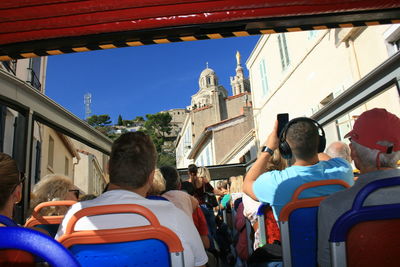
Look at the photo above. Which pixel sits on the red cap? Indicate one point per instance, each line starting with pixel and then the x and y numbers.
pixel 376 125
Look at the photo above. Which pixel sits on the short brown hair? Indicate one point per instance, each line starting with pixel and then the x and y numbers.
pixel 303 139
pixel 133 157
pixel 9 177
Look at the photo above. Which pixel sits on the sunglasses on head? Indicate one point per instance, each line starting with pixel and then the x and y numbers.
pixel 75 191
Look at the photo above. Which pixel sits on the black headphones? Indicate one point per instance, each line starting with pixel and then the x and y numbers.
pixel 284 147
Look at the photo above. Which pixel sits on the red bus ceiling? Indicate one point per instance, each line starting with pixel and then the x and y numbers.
pixel 30 28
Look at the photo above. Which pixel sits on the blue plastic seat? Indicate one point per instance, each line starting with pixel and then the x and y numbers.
pixel 298 223
pixel 37 244
pixel 368 235
pixel 148 245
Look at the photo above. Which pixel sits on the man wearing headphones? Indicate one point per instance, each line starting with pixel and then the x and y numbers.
pixel 300 142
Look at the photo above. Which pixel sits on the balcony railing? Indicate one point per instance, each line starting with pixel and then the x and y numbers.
pixel 34 80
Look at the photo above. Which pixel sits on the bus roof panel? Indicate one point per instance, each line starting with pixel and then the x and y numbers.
pixel 30 28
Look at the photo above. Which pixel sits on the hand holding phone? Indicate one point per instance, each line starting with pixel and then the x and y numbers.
pixel 283 119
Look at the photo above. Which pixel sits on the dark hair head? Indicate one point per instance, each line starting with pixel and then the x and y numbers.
pixel 192 168
pixel 171 177
pixel 303 138
pixel 133 158
pixel 9 178
pixel 188 187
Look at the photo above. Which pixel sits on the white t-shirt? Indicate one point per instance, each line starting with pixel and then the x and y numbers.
pixel 166 212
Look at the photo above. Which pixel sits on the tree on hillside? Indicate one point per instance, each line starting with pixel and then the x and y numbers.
pixel 120 122
pixel 138 119
pixel 102 124
pixel 158 127
pixel 99 120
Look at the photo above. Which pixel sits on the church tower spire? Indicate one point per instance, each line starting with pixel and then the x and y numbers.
pixel 239 83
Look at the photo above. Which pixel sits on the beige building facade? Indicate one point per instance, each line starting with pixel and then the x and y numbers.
pixel 90 169
pixel 302 72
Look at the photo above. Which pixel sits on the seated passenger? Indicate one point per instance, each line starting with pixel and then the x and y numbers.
pixel 198 217
pixel 157 186
pixel 11 182
pixel 226 197
pixel 339 150
pixel 236 189
pixel 375 150
pixel 132 164
pixel 300 141
pixel 200 178
pixel 181 199
pixel 53 187
pixel 275 163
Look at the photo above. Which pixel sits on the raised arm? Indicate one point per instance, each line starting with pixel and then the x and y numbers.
pixel 258 167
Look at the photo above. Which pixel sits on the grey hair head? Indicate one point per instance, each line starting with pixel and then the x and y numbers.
pixel 339 150
pixel 368 156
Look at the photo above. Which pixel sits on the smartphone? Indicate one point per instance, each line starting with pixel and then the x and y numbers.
pixel 283 119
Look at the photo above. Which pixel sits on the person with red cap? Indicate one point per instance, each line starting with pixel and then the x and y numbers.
pixel 375 150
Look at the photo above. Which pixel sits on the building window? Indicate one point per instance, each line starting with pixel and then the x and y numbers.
pixel 208 81
pixel 51 152
pixel 283 51
pixel 264 80
pixel 66 166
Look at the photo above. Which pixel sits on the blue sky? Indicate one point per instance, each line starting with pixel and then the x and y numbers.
pixel 136 81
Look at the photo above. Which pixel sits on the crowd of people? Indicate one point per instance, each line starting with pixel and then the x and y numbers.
pixel 193 209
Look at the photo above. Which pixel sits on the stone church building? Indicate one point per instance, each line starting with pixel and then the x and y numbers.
pixel 218 128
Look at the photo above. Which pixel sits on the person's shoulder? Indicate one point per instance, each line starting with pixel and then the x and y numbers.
pixel 272 173
pixel 338 161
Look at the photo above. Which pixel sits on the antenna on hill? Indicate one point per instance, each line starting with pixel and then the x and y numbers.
pixel 87 101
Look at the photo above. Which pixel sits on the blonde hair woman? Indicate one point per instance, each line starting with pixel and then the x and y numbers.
pixel 54 187
pixel 158 185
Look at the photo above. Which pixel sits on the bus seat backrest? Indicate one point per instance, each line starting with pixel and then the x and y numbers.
pixel 298 225
pixel 113 254
pixel 367 235
pixel 379 247
pixel 48 223
pixel 38 244
pixel 148 245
